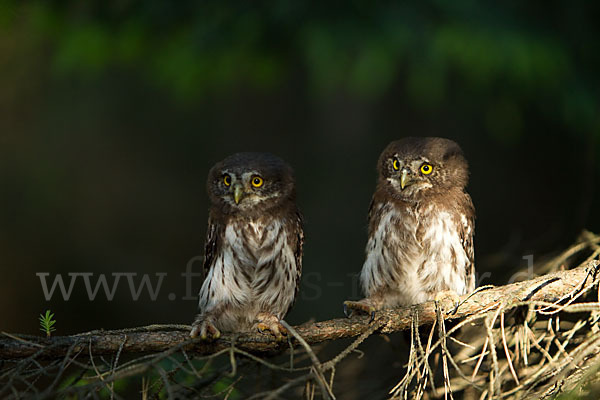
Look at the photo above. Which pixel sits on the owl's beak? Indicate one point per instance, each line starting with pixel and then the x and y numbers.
pixel 238 192
pixel 405 178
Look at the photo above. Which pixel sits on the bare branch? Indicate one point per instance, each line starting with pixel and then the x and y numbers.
pixel 157 338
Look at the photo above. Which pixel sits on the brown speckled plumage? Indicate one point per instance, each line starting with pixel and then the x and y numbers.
pixel 420 231
pixel 253 252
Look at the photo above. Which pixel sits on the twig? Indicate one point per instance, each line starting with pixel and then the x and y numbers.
pixel 156 338
pixel 316 368
pixel 508 357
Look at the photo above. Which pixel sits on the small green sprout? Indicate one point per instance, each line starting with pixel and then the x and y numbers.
pixel 47 323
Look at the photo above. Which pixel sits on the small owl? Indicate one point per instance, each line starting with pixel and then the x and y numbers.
pixel 253 253
pixel 421 224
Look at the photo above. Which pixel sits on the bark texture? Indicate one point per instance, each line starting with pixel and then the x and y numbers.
pixel 156 338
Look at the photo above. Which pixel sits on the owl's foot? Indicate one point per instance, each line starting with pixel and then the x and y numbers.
pixel 205 329
pixel 363 306
pixel 446 296
pixel 270 323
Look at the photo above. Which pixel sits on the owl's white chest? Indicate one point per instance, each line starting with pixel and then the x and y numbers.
pixel 253 244
pixel 412 256
pixel 255 271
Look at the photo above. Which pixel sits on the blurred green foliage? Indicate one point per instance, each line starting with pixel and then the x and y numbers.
pixel 361 48
pixel 112 112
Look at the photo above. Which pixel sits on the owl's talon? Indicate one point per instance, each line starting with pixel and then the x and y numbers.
pixel 455 310
pixel 451 295
pixel 347 312
pixel 262 327
pixel 270 324
pixel 363 306
pixel 205 330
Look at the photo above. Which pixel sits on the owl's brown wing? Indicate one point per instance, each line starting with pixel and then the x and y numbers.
pixel 295 242
pixel 371 208
pixel 376 210
pixel 466 232
pixel 211 246
pixel 298 248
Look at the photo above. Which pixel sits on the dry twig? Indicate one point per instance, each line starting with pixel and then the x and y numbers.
pixel 545 351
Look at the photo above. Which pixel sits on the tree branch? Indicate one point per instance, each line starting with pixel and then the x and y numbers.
pixel 156 338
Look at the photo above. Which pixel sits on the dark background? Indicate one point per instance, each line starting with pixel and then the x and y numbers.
pixel 112 113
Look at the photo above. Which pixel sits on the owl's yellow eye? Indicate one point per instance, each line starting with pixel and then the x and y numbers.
pixel 227 180
pixel 426 169
pixel 257 181
pixel 396 165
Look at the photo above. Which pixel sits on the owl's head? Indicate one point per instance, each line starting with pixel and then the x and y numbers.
pixel 412 168
pixel 250 182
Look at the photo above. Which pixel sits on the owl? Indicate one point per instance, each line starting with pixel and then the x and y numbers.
pixel 253 253
pixel 421 223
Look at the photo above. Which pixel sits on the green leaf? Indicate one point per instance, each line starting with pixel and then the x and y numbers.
pixel 47 323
